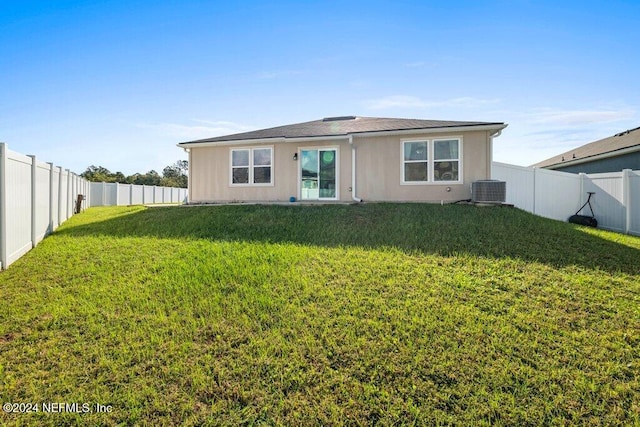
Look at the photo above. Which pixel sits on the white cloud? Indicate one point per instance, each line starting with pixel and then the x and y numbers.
pixel 271 75
pixel 541 133
pixel 396 101
pixel 578 117
pixel 204 129
pixel 405 101
pixel 417 64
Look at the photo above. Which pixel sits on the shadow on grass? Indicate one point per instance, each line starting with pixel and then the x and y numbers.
pixel 425 228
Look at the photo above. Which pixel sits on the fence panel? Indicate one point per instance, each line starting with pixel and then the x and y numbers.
pixel 137 196
pixel 608 200
pixel 55 197
pixel 557 194
pixel 148 194
pixel 42 198
pixel 520 184
pixel 157 195
pixel 87 194
pixel 35 197
pixel 123 192
pixel 112 194
pixel 98 193
pixel 18 205
pixel 73 194
pixel 64 195
pixel 115 194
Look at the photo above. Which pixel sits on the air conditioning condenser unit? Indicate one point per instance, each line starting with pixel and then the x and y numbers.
pixel 488 191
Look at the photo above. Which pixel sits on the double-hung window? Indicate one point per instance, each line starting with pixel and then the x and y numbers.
pixel 431 161
pixel 416 161
pixel 446 159
pixel 252 166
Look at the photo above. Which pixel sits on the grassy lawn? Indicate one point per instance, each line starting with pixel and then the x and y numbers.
pixel 361 314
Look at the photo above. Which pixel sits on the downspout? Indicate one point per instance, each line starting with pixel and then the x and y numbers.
pixel 353 171
pixel 189 179
pixel 490 153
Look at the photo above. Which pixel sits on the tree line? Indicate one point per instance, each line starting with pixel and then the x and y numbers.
pixel 174 175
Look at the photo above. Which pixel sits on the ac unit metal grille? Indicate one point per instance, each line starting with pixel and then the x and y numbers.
pixel 488 191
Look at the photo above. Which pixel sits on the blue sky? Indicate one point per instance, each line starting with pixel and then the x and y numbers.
pixel 119 83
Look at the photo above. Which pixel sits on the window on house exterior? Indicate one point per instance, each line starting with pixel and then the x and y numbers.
pixel 426 161
pixel 251 166
pixel 446 159
pixel 416 161
pixel 262 166
pixel 240 166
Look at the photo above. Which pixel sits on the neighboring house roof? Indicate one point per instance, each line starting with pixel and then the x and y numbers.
pixel 618 144
pixel 342 126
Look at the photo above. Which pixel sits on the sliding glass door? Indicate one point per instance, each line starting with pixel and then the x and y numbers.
pixel 318 174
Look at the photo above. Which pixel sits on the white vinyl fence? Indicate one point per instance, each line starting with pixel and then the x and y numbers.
pixel 558 195
pixel 116 194
pixel 35 198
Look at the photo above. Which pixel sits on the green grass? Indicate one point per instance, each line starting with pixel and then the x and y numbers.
pixel 395 314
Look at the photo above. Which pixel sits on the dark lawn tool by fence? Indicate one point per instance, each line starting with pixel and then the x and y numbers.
pixel 585 219
pixel 78 204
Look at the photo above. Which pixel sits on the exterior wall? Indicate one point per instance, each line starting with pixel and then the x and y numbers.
pixel 378 169
pixel 611 164
pixel 210 174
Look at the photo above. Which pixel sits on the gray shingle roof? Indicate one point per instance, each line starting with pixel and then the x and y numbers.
pixel 336 126
pixel 619 141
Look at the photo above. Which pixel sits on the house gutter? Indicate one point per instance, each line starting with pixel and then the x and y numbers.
pixel 353 171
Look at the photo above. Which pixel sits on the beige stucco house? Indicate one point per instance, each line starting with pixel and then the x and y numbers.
pixel 344 159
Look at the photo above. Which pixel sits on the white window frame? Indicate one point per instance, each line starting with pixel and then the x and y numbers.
pixel 251 167
pixel 431 161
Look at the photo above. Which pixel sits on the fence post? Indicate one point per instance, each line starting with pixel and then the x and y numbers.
pixel 68 193
pixel 74 193
pixel 33 200
pixel 3 206
pixel 535 195
pixel 50 230
pixel 130 194
pixel 626 198
pixel 117 194
pixel 86 190
pixel 143 194
pixel 583 176
pixel 59 195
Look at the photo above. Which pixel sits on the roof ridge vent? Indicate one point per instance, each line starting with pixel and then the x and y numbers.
pixel 626 132
pixel 338 118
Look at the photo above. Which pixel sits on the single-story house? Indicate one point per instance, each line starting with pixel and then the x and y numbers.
pixel 612 154
pixel 344 159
